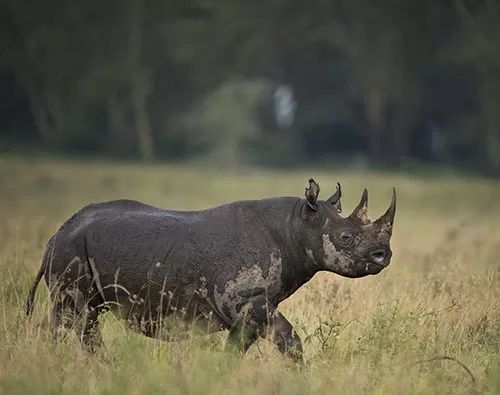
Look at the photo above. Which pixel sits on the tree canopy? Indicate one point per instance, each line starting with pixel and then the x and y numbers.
pixel 389 80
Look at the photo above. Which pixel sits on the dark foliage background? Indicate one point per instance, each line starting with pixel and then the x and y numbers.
pixel 386 83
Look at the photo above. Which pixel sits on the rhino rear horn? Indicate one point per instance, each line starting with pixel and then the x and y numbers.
pixel 312 193
pixel 360 213
pixel 387 220
pixel 334 200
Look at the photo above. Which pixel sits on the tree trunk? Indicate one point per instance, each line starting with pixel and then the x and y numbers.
pixel 39 112
pixel 375 115
pixel 139 83
pixel 116 124
pixel 375 145
pixel 399 143
pixel 55 110
pixel 493 149
pixel 141 118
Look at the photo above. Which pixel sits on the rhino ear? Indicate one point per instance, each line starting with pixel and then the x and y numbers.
pixel 334 200
pixel 312 192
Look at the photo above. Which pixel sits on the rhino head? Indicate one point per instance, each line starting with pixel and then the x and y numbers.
pixel 351 246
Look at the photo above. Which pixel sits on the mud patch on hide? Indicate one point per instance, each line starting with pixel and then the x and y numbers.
pixel 250 281
pixel 334 260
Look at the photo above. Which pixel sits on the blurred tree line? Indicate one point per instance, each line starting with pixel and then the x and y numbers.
pixel 386 80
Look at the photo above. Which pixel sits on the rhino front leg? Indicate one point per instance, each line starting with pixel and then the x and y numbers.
pixel 264 320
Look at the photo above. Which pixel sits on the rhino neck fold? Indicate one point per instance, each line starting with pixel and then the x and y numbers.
pixel 298 268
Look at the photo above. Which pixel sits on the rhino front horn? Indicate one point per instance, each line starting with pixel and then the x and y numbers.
pixel 360 213
pixel 387 219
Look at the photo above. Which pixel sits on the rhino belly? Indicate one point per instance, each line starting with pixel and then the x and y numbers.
pixel 175 307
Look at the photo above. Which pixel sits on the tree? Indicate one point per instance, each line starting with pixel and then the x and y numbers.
pixel 477 44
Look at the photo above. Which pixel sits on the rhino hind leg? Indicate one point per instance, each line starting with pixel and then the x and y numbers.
pixel 262 319
pixel 63 315
pixel 70 311
pixel 90 335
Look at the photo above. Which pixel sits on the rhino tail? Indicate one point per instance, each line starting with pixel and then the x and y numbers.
pixel 31 294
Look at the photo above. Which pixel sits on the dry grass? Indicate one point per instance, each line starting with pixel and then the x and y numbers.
pixel 440 296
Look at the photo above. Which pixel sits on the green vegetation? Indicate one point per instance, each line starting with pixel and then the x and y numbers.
pixel 440 296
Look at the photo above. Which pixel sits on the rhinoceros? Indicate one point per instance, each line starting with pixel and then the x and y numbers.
pixel 221 268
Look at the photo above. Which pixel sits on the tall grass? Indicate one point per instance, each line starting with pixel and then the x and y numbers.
pixel 439 297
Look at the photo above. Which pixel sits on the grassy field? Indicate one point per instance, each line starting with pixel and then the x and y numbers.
pixel 439 297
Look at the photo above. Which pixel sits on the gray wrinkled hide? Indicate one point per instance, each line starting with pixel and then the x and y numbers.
pixel 220 268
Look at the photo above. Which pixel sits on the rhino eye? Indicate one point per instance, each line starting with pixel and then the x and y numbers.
pixel 346 238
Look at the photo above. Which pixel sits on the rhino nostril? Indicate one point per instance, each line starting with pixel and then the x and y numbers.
pixel 378 256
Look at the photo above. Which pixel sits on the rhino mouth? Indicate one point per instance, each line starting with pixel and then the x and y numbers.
pixel 374 268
